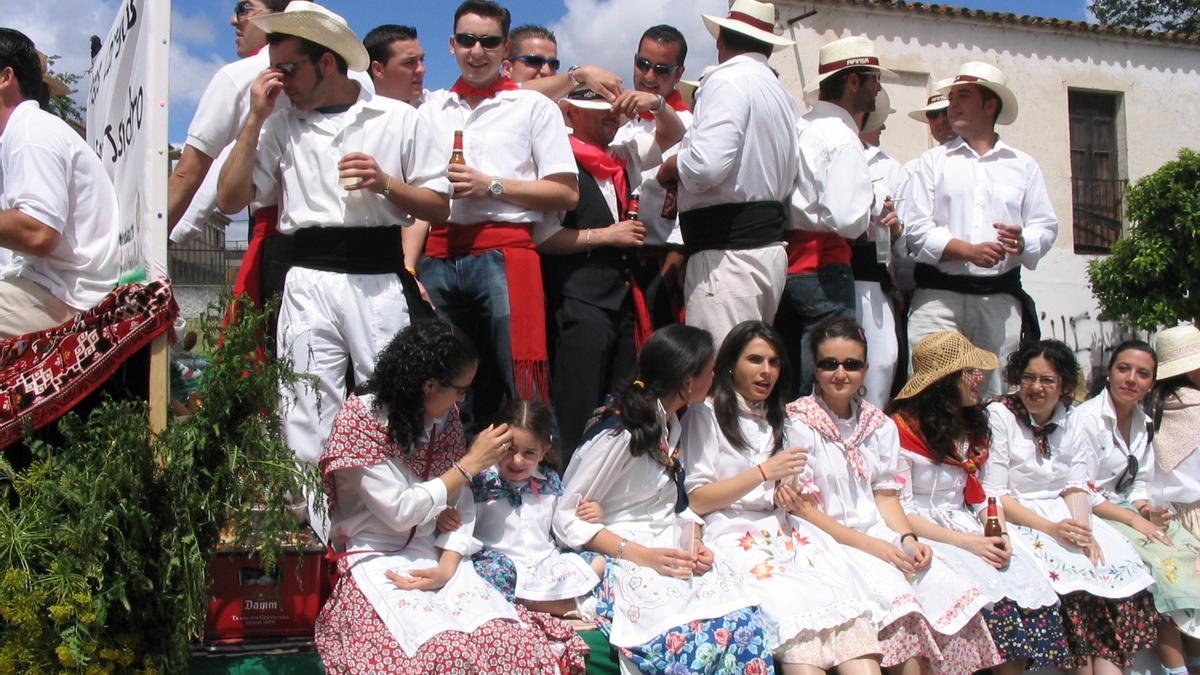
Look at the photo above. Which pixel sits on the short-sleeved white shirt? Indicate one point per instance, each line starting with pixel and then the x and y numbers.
pixel 298 154
pixel 49 173
pixel 515 134
pixel 833 184
pixel 643 173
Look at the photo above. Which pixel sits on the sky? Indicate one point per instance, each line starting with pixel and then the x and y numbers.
pixel 603 32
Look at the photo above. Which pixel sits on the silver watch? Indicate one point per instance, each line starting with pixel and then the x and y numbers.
pixel 496 188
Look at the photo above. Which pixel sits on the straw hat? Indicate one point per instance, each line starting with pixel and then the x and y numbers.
pixel 315 23
pixel 1178 350
pixel 937 100
pixel 849 52
pixel 941 354
pixel 587 99
pixel 687 88
pixel 752 19
pixel 988 76
pixel 883 108
pixel 56 86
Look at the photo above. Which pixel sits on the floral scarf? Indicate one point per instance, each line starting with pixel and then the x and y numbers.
pixel 490 486
pixel 810 411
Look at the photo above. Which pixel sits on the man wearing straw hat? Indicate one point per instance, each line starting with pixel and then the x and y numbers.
pixel 735 170
pixel 979 211
pixel 347 168
pixel 933 112
pixel 832 201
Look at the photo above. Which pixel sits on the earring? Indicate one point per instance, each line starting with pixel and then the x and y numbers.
pixel 862 391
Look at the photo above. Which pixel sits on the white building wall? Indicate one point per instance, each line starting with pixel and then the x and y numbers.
pixel 1160 83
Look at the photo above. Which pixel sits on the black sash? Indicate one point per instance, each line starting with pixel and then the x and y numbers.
pixel 732 227
pixel 928 276
pixel 865 263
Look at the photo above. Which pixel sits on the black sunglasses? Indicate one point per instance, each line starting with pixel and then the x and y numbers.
pixel 830 364
pixel 536 62
pixel 660 69
pixel 288 68
pixel 931 114
pixel 1125 480
pixel 468 40
pixel 243 8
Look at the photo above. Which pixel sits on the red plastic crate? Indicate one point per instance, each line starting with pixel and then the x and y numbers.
pixel 246 602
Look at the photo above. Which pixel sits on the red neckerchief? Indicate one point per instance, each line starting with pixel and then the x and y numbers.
pixel 502 83
pixel 913 440
pixel 675 100
pixel 603 166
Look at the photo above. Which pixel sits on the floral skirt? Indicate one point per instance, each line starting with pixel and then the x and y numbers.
pixel 969 650
pixel 1176 571
pixel 1113 630
pixel 498 570
pixel 1035 635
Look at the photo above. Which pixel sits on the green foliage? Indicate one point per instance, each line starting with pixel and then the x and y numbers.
pixel 1152 278
pixel 1166 15
pixel 105 541
pixel 65 106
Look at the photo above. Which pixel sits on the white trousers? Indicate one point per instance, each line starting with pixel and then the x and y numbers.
pixel 878 320
pixel 991 322
pixel 724 288
pixel 27 307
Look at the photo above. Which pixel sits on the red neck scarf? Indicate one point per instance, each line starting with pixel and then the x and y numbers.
pixel 603 166
pixel 502 83
pixel 675 100
pixel 913 440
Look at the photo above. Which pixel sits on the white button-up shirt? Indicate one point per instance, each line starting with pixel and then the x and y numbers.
pixel 515 134
pixel 1097 422
pixel 833 184
pixel 1015 467
pixel 741 146
pixel 298 154
pixel 638 134
pixel 955 193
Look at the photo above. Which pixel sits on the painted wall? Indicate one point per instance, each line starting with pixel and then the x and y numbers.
pixel 1159 83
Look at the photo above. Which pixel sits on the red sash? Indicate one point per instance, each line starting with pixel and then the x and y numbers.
pixel 913 440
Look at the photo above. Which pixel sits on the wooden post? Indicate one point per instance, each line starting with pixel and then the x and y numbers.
pixel 160 395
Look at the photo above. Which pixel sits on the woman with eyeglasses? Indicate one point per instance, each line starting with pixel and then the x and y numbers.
pixel 944 441
pixel 1117 430
pixel 1039 469
pixel 932 613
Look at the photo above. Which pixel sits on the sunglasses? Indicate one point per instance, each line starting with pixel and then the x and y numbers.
pixel 830 364
pixel 468 40
pixel 287 68
pixel 660 69
pixel 536 62
pixel 1125 480
pixel 243 8
pixel 934 114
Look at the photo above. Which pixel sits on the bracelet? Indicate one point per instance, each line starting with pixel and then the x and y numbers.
pixel 411 270
pixel 387 188
pixel 571 77
pixel 762 473
pixel 621 549
pixel 659 107
pixel 909 534
pixel 589 241
pixel 465 474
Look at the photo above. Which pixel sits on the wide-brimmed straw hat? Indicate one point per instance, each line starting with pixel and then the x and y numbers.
pixel 317 24
pixel 990 77
pixel 587 99
pixel 883 108
pixel 938 100
pixel 687 88
pixel 1178 350
pixel 855 51
pixel 56 86
pixel 752 19
pixel 941 354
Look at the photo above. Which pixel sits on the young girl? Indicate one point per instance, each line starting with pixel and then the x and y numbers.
pixel 854 460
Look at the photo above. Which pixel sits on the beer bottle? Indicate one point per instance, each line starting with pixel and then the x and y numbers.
pixel 456 155
pixel 631 213
pixel 991 526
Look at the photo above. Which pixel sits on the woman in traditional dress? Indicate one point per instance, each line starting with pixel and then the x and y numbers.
pixel 1117 430
pixel 944 441
pixel 407 600
pixel 810 594
pixel 855 498
pixel 664 601
pixel 1039 468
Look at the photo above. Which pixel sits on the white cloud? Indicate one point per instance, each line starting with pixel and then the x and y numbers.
pixel 606 32
pixel 190 74
pixel 193 29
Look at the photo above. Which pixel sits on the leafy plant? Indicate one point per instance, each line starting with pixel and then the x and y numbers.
pixel 105 540
pixel 1169 15
pixel 1152 278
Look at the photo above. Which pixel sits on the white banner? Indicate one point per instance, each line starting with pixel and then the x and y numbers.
pixel 127 125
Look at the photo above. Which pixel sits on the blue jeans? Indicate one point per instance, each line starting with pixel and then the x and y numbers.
pixel 472 293
pixel 807 299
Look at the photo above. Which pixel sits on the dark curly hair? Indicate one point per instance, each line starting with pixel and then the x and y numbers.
pixel 1061 358
pixel 536 418
pixel 426 350
pixel 943 418
pixel 724 395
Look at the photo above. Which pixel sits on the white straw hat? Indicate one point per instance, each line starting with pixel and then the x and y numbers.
pixel 1178 350
pixel 687 88
pixel 990 77
pixel 855 51
pixel 587 99
pixel 937 100
pixel 941 354
pixel 752 19
pixel 317 24
pixel 883 108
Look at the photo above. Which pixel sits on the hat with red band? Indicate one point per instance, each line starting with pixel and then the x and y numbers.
pixel 752 19
pixel 990 77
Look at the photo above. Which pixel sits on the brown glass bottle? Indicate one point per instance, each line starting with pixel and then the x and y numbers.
pixel 991 526
pixel 456 155
pixel 631 213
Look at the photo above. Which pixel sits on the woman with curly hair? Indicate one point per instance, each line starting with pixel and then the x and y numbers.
pixel 1039 469
pixel 663 601
pixel 407 600
pixel 944 441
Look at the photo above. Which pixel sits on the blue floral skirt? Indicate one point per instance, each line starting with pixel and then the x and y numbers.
pixel 498 570
pixel 1035 635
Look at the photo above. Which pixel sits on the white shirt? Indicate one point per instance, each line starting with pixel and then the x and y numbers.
pixel 1014 466
pixel 298 154
pixel 1097 422
pixel 515 134
pixel 522 533
pixel 957 194
pixel 638 134
pixel 887 177
pixel 833 184
pixel 1182 484
pixel 49 173
pixel 741 146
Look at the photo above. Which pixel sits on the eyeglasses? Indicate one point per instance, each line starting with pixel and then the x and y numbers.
pixel 1047 381
pixel 1125 480
pixel 831 364
pixel 660 69
pixel 468 40
pixel 243 8
pixel 536 62
pixel 462 391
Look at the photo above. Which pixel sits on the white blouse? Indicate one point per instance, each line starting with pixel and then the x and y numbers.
pixel 521 533
pixel 927 485
pixel 1097 422
pixel 711 458
pixel 1014 466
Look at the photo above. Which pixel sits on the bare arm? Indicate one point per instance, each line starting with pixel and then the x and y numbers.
pixel 668 127
pixel 625 234
pixel 720 494
pixel 189 173
pixel 413 237
pixel 556 192
pixel 603 82
pixel 25 234
pixel 235 187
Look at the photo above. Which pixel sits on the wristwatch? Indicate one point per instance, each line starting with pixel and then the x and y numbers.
pixel 496 188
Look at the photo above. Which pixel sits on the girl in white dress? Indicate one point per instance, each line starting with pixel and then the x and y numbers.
pixel 734 445
pixel 855 498
pixel 1039 469
pixel 665 602
pixel 944 442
